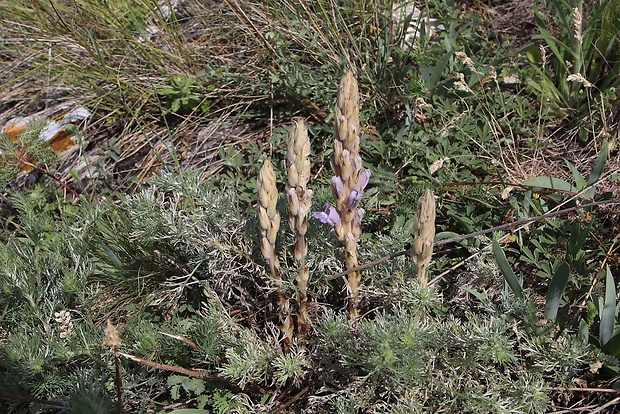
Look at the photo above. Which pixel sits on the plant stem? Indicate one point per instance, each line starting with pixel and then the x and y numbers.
pixel 119 384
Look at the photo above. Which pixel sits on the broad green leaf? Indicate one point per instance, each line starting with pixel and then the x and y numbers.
pixel 189 411
pixel 580 182
pixel 608 312
pixel 613 346
pixel 534 54
pixel 551 183
pixel 597 169
pixel 506 270
pixel 438 71
pixel 556 290
pixel 446 235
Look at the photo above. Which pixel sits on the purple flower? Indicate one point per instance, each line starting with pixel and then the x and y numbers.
pixel 357 218
pixel 337 187
pixel 363 181
pixel 329 215
pixel 355 196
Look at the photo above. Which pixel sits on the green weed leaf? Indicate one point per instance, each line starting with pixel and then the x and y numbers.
pixel 550 183
pixel 506 270
pixel 597 169
pixel 580 182
pixel 556 289
pixel 577 238
pixel 608 312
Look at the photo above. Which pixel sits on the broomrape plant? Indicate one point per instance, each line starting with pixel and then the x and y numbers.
pixel 300 201
pixel 424 229
pixel 348 184
pixel 269 219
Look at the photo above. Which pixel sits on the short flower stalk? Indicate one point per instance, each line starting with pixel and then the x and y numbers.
pixel 424 231
pixel 347 184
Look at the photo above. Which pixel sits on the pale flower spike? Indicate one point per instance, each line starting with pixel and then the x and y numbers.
pixel 347 184
pixel 269 220
pixel 424 229
pixel 300 201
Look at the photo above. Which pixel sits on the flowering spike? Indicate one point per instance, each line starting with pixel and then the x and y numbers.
pixel 424 229
pixel 300 202
pixel 269 220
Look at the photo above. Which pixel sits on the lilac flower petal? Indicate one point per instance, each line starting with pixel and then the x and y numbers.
pixel 332 213
pixel 329 215
pixel 354 198
pixel 357 218
pixel 363 181
pixel 337 187
pixel 320 216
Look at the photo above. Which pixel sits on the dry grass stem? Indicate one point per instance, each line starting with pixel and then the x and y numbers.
pixel 269 219
pixel 424 229
pixel 300 201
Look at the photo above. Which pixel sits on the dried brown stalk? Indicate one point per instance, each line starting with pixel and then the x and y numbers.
pixel 112 340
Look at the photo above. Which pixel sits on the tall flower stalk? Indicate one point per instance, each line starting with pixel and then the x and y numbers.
pixel 269 219
pixel 348 183
pixel 300 201
pixel 424 231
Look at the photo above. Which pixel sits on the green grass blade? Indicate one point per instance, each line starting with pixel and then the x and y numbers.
pixel 506 270
pixel 597 169
pixel 111 255
pixel 435 76
pixel 608 313
pixel 577 238
pixel 556 290
pixel 584 331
